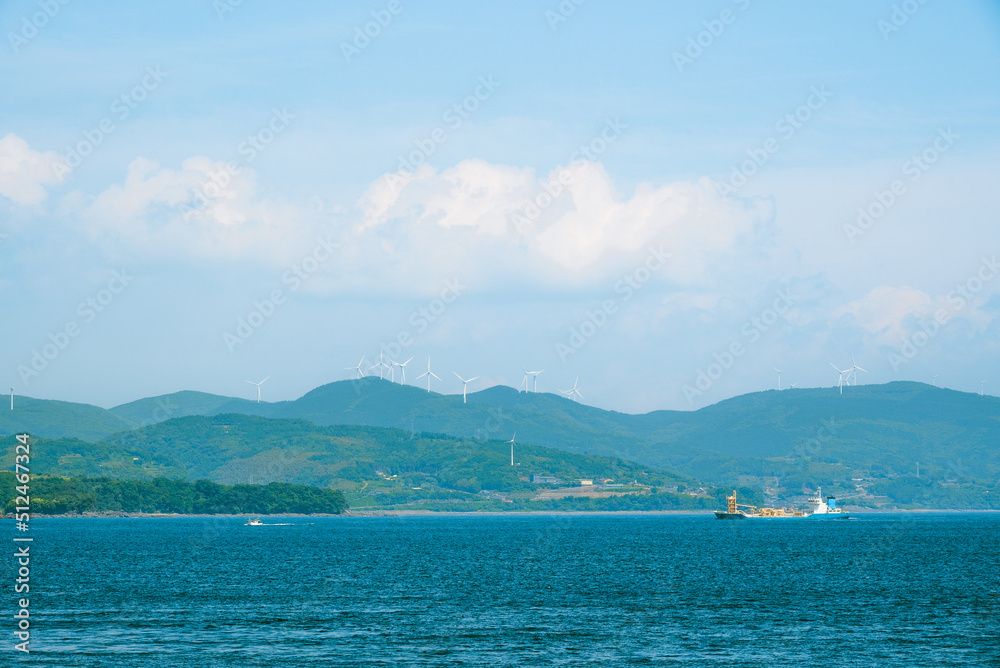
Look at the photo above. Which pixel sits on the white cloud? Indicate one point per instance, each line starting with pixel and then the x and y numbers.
pixel 200 209
pixel 892 313
pixel 586 233
pixel 409 232
pixel 884 310
pixel 24 173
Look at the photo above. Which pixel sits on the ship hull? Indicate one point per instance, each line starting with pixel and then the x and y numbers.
pixel 719 515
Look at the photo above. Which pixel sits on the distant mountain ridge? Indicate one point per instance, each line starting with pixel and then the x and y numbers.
pixel 869 430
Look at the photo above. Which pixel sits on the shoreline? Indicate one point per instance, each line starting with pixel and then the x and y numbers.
pixel 112 514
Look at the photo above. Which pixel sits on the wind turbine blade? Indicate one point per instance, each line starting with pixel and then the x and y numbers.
pixel 433 374
pixel 459 377
pixel 579 394
pixel 860 369
pixel 472 379
pixel 421 375
pixel 262 382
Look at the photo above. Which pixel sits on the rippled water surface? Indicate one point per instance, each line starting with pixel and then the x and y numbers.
pixel 878 590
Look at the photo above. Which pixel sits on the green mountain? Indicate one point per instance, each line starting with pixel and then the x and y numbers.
pixel 73 457
pixel 864 443
pixel 378 465
pixel 179 404
pixel 235 448
pixel 59 419
pixel 881 430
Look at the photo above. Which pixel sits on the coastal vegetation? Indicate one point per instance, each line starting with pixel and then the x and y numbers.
pixel 56 495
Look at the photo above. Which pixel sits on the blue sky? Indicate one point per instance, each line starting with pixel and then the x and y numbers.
pixel 385 197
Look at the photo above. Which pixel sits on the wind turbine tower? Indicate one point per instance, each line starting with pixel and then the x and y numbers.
pixel 402 370
pixel 12 398
pixel 982 384
pixel 465 385
pixel 779 377
pixel 380 365
pixel 534 379
pixel 854 369
pixel 574 391
pixel 258 387
pixel 361 374
pixel 429 374
pixel 840 380
pixel 511 441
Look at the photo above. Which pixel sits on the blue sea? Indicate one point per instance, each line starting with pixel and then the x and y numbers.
pixel 556 590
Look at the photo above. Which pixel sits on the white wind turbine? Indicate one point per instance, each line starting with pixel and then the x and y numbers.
pixel 511 441
pixel 524 384
pixel 779 376
pixel 12 398
pixel 854 369
pixel 258 387
pixel 465 385
pixel 361 374
pixel 534 378
pixel 574 391
pixel 380 365
pixel 402 369
pixel 982 384
pixel 840 380
pixel 428 373
pixel 934 380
